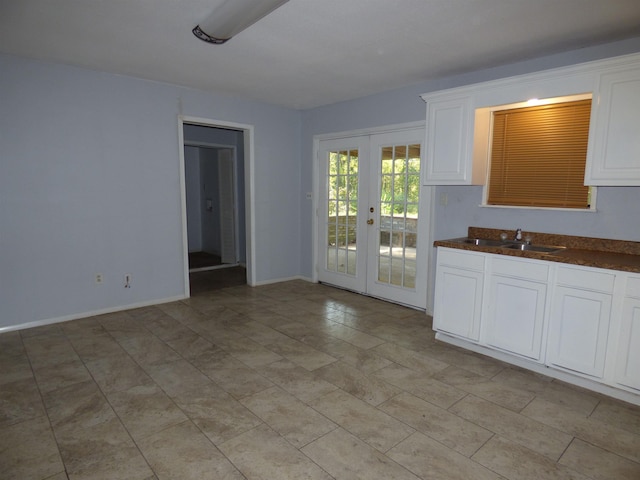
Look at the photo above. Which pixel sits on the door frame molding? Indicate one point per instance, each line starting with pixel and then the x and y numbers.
pixel 429 215
pixel 249 189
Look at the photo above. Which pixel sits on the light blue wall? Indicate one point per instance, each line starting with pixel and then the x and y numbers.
pixel 89 183
pixel 618 213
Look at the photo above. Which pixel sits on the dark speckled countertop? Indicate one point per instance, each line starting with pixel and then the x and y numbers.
pixel 587 251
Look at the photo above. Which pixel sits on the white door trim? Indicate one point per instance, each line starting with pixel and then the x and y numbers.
pixel 249 189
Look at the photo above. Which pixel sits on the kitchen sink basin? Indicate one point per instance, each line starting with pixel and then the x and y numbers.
pixel 533 248
pixel 483 242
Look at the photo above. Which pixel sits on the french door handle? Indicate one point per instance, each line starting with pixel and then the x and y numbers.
pixel 370 221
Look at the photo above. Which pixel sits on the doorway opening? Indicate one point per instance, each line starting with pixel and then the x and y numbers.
pixel 216 203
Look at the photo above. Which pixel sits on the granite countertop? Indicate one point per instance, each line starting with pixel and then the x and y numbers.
pixel 587 251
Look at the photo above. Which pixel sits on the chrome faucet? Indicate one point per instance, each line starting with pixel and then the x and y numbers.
pixel 518 236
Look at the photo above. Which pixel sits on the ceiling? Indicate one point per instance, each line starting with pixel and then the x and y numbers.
pixel 309 53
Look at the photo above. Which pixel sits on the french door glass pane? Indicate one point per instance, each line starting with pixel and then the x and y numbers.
pixel 342 194
pixel 398 214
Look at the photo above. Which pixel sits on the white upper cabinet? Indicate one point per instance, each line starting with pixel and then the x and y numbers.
pixel 459 121
pixel 449 140
pixel 613 157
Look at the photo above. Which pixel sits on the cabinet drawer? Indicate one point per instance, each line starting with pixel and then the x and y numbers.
pixel 633 287
pixel 586 279
pixel 461 259
pixel 520 269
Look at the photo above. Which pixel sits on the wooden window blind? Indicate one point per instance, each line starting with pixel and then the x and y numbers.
pixel 538 156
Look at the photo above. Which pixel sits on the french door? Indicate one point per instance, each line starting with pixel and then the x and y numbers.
pixel 370 236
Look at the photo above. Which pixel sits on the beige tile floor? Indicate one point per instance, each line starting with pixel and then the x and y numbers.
pixel 290 381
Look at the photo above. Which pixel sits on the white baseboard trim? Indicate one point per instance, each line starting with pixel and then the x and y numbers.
pixel 77 316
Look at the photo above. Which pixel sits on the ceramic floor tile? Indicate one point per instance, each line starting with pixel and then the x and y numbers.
pixel 307 334
pixel 415 361
pixel 431 460
pixel 259 332
pixel 217 414
pixel 457 433
pixel 346 457
pixel 366 361
pixel 301 354
pixel 371 425
pixel 145 410
pixel 11 345
pixel 598 463
pixel 519 463
pixel 284 413
pixel 183 452
pixel 262 454
pixel 148 350
pixel 15 368
pixel 351 335
pixel 535 435
pixel 45 350
pixel 77 407
pixel 298 381
pixel 418 384
pixel 231 374
pixel 174 377
pixel 95 346
pixel 541 386
pixel 598 433
pixel 483 387
pixel 114 374
pixel 618 414
pixel 474 362
pixel 20 400
pixel 22 458
pixel 178 377
pixel 250 353
pixel 366 387
pixel 96 460
pixel 61 375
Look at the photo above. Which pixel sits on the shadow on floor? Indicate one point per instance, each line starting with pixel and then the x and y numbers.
pixel 203 259
pixel 207 281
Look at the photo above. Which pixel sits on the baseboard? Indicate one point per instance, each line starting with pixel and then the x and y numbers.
pixel 77 316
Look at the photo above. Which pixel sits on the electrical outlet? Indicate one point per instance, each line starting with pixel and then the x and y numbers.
pixel 127 280
pixel 99 278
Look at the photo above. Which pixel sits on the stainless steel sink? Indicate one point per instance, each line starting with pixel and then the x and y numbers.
pixel 483 242
pixel 534 248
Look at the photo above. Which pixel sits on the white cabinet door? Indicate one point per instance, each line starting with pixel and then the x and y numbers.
pixel 458 293
pixel 614 143
pixel 628 352
pixel 578 330
pixel 449 140
pixel 516 306
pixel 579 319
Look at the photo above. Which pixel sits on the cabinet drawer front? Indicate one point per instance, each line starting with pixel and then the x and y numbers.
pixel 461 259
pixel 633 287
pixel 520 269
pixel 586 279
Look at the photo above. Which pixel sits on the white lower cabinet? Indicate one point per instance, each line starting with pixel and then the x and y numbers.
pixel 580 324
pixel 628 351
pixel 458 293
pixel 516 306
pixel 579 320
